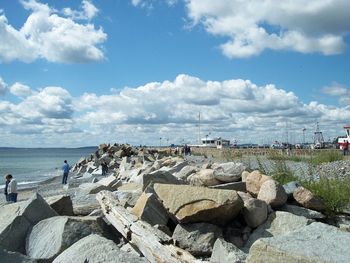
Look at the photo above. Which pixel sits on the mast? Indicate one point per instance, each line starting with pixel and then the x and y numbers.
pixel 199 127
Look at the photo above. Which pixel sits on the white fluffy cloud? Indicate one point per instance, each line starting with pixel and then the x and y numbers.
pixel 3 86
pixel 20 90
pixel 339 91
pixel 232 109
pixel 295 25
pixel 47 35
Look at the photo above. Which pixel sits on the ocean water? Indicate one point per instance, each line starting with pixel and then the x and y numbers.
pixel 32 165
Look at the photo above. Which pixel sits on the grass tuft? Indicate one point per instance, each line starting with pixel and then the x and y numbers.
pixel 326 157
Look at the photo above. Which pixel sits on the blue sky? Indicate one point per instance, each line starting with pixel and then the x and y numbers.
pixel 75 73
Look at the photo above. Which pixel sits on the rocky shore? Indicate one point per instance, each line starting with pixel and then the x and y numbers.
pixel 154 207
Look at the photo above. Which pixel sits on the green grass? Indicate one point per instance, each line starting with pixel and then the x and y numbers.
pixel 326 157
pixel 334 192
pixel 281 173
pixel 281 157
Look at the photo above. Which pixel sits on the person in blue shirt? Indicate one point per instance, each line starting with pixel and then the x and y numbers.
pixel 65 169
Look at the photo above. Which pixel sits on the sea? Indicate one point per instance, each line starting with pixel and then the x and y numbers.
pixel 33 165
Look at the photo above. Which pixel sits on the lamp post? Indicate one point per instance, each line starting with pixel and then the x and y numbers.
pixel 160 141
pixel 206 139
pixel 304 129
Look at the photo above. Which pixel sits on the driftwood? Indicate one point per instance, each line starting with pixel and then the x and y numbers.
pixel 155 245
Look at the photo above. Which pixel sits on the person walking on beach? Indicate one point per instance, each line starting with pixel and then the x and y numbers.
pixel 11 188
pixel 65 169
pixel 6 186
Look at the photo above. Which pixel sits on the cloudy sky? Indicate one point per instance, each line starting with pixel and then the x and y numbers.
pixel 78 73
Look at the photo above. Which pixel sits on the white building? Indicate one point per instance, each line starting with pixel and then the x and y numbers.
pixel 215 142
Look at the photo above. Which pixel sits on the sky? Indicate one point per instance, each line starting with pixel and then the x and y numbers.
pixel 81 73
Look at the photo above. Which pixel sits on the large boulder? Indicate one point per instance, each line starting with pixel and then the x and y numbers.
pixel 108 181
pixel 204 177
pixel 176 168
pixel 197 238
pixel 237 186
pixel 254 212
pixel 302 211
pixel 149 209
pixel 316 242
pixel 17 218
pixel 272 193
pixel 199 204
pixel 291 187
pixel 254 181
pixel 225 252
pixel 14 257
pixel 228 172
pixel 278 223
pixel 62 204
pixel 128 197
pixel 307 199
pixel 51 236
pixel 159 176
pixel 185 172
pixel 96 249
pixel 92 188
pixel 84 204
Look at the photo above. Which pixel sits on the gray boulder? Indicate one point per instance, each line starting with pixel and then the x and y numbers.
pixel 278 223
pixel 176 168
pixel 128 197
pixel 84 204
pixel 197 238
pixel 224 252
pixel 159 176
pixel 237 186
pixel 228 172
pixel 254 212
pixel 185 172
pixel 96 249
pixel 51 236
pixel 14 257
pixel 62 204
pixel 302 211
pixel 91 188
pixel 316 242
pixel 17 218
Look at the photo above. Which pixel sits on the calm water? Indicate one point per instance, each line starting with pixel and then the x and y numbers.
pixel 31 165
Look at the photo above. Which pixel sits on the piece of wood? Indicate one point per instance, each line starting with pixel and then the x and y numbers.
pixel 155 245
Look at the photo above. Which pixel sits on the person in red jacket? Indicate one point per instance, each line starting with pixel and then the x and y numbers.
pixel 345 148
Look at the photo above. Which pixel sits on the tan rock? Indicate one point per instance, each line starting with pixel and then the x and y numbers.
pixel 272 193
pixel 254 181
pixel 149 209
pixel 204 177
pixel 244 175
pixel 199 204
pixel 307 199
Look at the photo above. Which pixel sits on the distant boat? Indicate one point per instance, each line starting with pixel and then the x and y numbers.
pixel 342 140
pixel 215 142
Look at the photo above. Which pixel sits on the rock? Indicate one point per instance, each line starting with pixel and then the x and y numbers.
pixel 97 213
pixel 316 242
pixel 128 198
pixel 254 212
pixel 90 188
pixel 307 199
pixel 278 223
pixel 17 218
pixel 84 204
pixel 254 181
pixel 244 176
pixel 96 249
pixel 199 204
pixel 198 239
pixel 94 180
pixel 204 177
pixel 149 209
pixel 111 182
pixel 14 257
pixel 185 172
pixel 290 187
pixel 51 236
pixel 228 172
pixel 177 167
pixel 62 204
pixel 128 248
pixel 224 252
pixel 237 186
pixel 272 193
pixel 159 177
pixel 302 211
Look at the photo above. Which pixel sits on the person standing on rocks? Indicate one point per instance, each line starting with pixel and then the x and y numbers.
pixel 65 169
pixel 11 189
pixel 104 168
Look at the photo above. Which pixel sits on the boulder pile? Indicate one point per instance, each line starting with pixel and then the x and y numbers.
pixel 154 207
